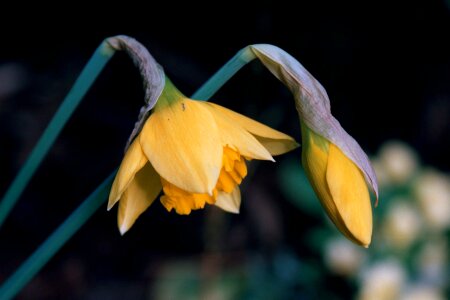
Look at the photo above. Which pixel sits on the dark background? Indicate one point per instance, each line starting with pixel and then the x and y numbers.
pixel 385 66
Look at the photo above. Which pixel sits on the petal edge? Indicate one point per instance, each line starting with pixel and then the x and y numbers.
pixel 139 195
pixel 132 162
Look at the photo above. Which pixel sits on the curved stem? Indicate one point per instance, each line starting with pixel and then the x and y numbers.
pixel 87 77
pixel 216 81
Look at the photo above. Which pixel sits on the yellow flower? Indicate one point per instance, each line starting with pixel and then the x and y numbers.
pixel 337 168
pixel 339 185
pixel 195 152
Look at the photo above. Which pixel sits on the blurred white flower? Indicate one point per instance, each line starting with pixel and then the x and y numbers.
pixel 422 293
pixel 402 224
pixel 432 190
pixel 343 257
pixel 380 171
pixel 382 281
pixel 399 161
pixel 433 261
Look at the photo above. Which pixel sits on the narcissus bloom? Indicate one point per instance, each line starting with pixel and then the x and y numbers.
pixel 336 166
pixel 195 152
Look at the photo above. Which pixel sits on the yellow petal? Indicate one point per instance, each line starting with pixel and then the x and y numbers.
pixel 139 195
pixel 277 146
pixel 133 161
pixel 273 140
pixel 315 160
pixel 236 137
pixel 181 141
pixel 230 202
pixel 241 168
pixel 350 194
pixel 226 182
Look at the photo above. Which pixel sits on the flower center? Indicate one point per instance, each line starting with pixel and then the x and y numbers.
pixel 233 171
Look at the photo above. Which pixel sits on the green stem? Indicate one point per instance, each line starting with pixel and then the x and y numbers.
pixel 210 87
pixel 92 69
pixel 55 241
pixel 69 227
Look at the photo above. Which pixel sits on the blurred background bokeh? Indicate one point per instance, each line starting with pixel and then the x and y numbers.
pixel 386 68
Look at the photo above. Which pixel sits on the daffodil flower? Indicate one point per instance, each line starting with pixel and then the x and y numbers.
pixel 338 169
pixel 195 152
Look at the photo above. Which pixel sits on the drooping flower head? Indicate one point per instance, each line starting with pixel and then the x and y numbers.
pixel 195 152
pixel 338 169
